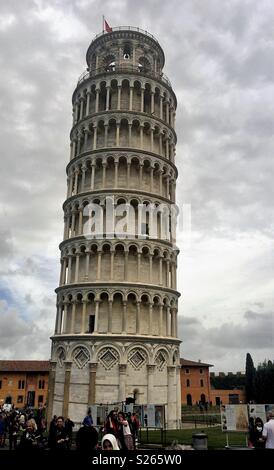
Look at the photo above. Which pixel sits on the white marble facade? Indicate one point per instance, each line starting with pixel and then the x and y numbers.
pixel 116 323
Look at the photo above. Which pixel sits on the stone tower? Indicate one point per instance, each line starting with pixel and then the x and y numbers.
pixel 116 324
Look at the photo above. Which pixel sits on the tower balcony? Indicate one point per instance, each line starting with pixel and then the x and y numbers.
pixel 124 68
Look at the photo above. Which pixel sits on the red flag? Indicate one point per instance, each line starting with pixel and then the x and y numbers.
pixel 107 27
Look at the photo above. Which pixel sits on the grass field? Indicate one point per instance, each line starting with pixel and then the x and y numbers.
pixel 216 438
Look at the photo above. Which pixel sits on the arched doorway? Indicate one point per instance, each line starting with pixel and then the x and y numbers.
pixel 203 398
pixel 189 399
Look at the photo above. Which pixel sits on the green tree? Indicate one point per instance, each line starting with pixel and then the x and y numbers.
pixel 250 374
pixel 264 382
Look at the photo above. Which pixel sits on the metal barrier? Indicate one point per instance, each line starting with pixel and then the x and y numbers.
pixel 144 434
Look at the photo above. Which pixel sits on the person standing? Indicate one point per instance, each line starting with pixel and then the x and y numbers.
pixel 88 421
pixel 256 434
pixel 58 438
pixel 268 431
pixel 69 425
pixel 125 432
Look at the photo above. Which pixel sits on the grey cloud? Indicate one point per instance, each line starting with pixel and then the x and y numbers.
pixel 219 60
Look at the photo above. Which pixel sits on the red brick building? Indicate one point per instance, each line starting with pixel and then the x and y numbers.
pixel 195 382
pixel 24 383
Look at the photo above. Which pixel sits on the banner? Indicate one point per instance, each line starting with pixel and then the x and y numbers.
pixel 234 418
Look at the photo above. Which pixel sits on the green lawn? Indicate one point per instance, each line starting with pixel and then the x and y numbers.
pixel 216 438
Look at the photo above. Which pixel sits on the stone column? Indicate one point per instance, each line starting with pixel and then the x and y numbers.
pixel 97 91
pixel 117 134
pixel 88 103
pixel 128 174
pixel 81 107
pixel 167 273
pixel 67 365
pixel 141 174
pixel 172 322
pixel 150 319
pixel 130 134
pixel 161 270
pixel 78 254
pixel 72 325
pixel 161 106
pixel 84 317
pixel 106 135
pixel 161 183
pixel 86 133
pixel 150 267
pixel 152 102
pixel 167 112
pixel 122 382
pixel 87 265
pixel 92 383
pixel 80 228
pixel 124 318
pixel 167 148
pixel 58 317
pixel 152 139
pixel 111 263
pixel 92 176
pixel 142 99
pixel 96 320
pixel 161 320
pixel 104 165
pixel 76 181
pixel 99 259
pixel 151 179
pixel 138 266
pixel 160 143
pixel 65 319
pixel 168 321
pixel 141 135
pixel 109 327
pixel 61 271
pixel 73 148
pixel 126 265
pixel 51 387
pixel 94 137
pixel 179 403
pixel 79 144
pixel 69 267
pixel 119 97
pixel 171 397
pixel 150 384
pixel 116 174
pixel 107 98
pixel 130 97
pixel 64 271
pixel 138 318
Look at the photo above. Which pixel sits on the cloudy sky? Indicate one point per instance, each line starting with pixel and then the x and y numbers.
pixel 219 58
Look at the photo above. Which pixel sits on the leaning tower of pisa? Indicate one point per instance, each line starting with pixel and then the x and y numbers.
pixel 116 323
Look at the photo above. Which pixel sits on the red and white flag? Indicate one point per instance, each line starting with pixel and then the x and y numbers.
pixel 107 28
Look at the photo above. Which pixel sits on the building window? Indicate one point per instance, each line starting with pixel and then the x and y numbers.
pixel 187 382
pixel 40 399
pixel 201 383
pixel 187 371
pixel 201 371
pixel 20 399
pixel 21 384
pixel 9 382
pixel 0 383
pixel 41 384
